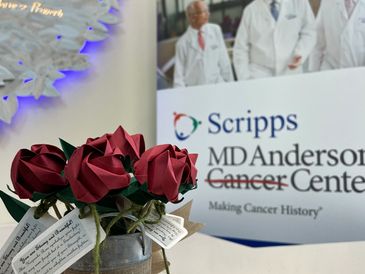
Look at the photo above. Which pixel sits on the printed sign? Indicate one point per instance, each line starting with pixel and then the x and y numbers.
pixel 59 246
pixel 280 159
pixel 25 232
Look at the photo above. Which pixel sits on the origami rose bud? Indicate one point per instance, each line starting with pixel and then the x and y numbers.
pixel 132 146
pixel 93 173
pixel 38 170
pixel 165 168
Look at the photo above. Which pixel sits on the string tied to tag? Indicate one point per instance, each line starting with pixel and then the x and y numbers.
pixel 144 214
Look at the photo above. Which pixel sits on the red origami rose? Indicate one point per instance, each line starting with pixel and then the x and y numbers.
pixel 38 170
pixel 165 168
pixel 93 173
pixel 132 146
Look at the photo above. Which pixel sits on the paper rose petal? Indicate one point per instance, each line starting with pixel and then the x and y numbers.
pixel 120 142
pixel 164 176
pixel 93 173
pixel 132 146
pixel 165 168
pixel 38 170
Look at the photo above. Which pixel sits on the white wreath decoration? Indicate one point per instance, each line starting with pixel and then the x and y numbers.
pixel 39 40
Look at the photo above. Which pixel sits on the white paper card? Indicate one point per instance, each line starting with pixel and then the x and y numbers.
pixel 25 232
pixel 167 232
pixel 59 246
pixel 177 219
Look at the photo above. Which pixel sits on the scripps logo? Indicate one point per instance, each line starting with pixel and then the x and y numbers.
pixel 185 125
pixel 252 124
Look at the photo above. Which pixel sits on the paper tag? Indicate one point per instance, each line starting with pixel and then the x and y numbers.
pixel 179 220
pixel 167 232
pixel 25 232
pixel 59 246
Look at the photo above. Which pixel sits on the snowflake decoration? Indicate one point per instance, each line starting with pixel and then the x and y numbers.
pixel 39 40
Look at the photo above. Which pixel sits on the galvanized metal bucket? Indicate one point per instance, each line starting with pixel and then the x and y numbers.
pixel 121 254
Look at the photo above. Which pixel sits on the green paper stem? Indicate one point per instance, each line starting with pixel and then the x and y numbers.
pixel 58 214
pixel 145 212
pixel 116 219
pixel 12 191
pixel 44 206
pixel 160 208
pixel 84 212
pixel 69 207
pixel 96 251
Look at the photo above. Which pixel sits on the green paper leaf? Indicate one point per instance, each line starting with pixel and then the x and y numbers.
pixel 36 196
pixel 186 187
pixel 105 209
pixel 67 148
pixel 144 187
pixel 12 191
pixel 107 204
pixel 143 196
pixel 140 197
pixel 127 164
pixel 66 195
pixel 16 208
pixel 163 199
pixel 133 187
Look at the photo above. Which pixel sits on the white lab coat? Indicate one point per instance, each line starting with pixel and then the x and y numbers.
pixel 265 47
pixel 194 66
pixel 341 40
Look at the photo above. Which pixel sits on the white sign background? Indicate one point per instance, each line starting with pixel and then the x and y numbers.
pixel 329 109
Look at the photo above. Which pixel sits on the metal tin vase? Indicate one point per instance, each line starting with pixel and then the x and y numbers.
pixel 121 254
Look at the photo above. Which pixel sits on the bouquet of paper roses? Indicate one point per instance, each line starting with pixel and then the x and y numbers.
pixel 109 174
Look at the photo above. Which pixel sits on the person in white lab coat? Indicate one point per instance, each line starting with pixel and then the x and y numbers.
pixel 275 37
pixel 201 55
pixel 341 35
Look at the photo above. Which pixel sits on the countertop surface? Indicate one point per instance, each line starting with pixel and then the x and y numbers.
pixel 201 254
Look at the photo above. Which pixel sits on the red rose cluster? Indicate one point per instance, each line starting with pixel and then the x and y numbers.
pixel 102 165
pixel 38 170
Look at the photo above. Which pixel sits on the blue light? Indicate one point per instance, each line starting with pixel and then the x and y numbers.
pixel 5 98
pixel 27 80
pixel 20 62
pixel 58 37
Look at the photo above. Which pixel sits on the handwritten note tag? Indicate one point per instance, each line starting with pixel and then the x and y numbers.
pixel 25 232
pixel 59 246
pixel 168 232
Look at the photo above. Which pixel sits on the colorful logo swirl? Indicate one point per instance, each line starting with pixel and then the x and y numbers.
pixel 185 125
